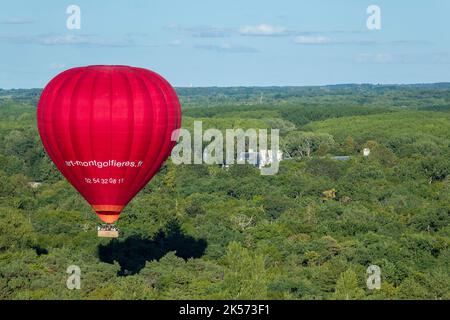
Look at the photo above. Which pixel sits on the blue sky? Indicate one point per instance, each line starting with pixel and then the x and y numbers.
pixel 230 43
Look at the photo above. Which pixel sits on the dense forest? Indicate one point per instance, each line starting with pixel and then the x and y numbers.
pixel 203 232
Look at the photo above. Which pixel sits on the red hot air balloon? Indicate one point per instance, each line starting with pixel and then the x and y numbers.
pixel 108 130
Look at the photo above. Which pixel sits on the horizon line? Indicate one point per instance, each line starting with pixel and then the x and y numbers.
pixel 284 86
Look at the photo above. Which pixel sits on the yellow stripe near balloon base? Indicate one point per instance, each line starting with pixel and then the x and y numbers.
pixel 108 213
pixel 107 207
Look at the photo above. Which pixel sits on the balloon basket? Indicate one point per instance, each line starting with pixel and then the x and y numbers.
pixel 107 231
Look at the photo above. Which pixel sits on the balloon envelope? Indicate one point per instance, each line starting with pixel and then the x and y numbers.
pixel 108 130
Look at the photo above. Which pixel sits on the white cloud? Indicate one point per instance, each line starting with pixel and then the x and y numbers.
pixel 227 48
pixel 262 30
pixel 441 58
pixel 16 21
pixel 57 66
pixel 202 31
pixel 137 34
pixel 312 40
pixel 323 40
pixel 379 58
pixel 65 39
pixel 175 43
pixel 73 40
